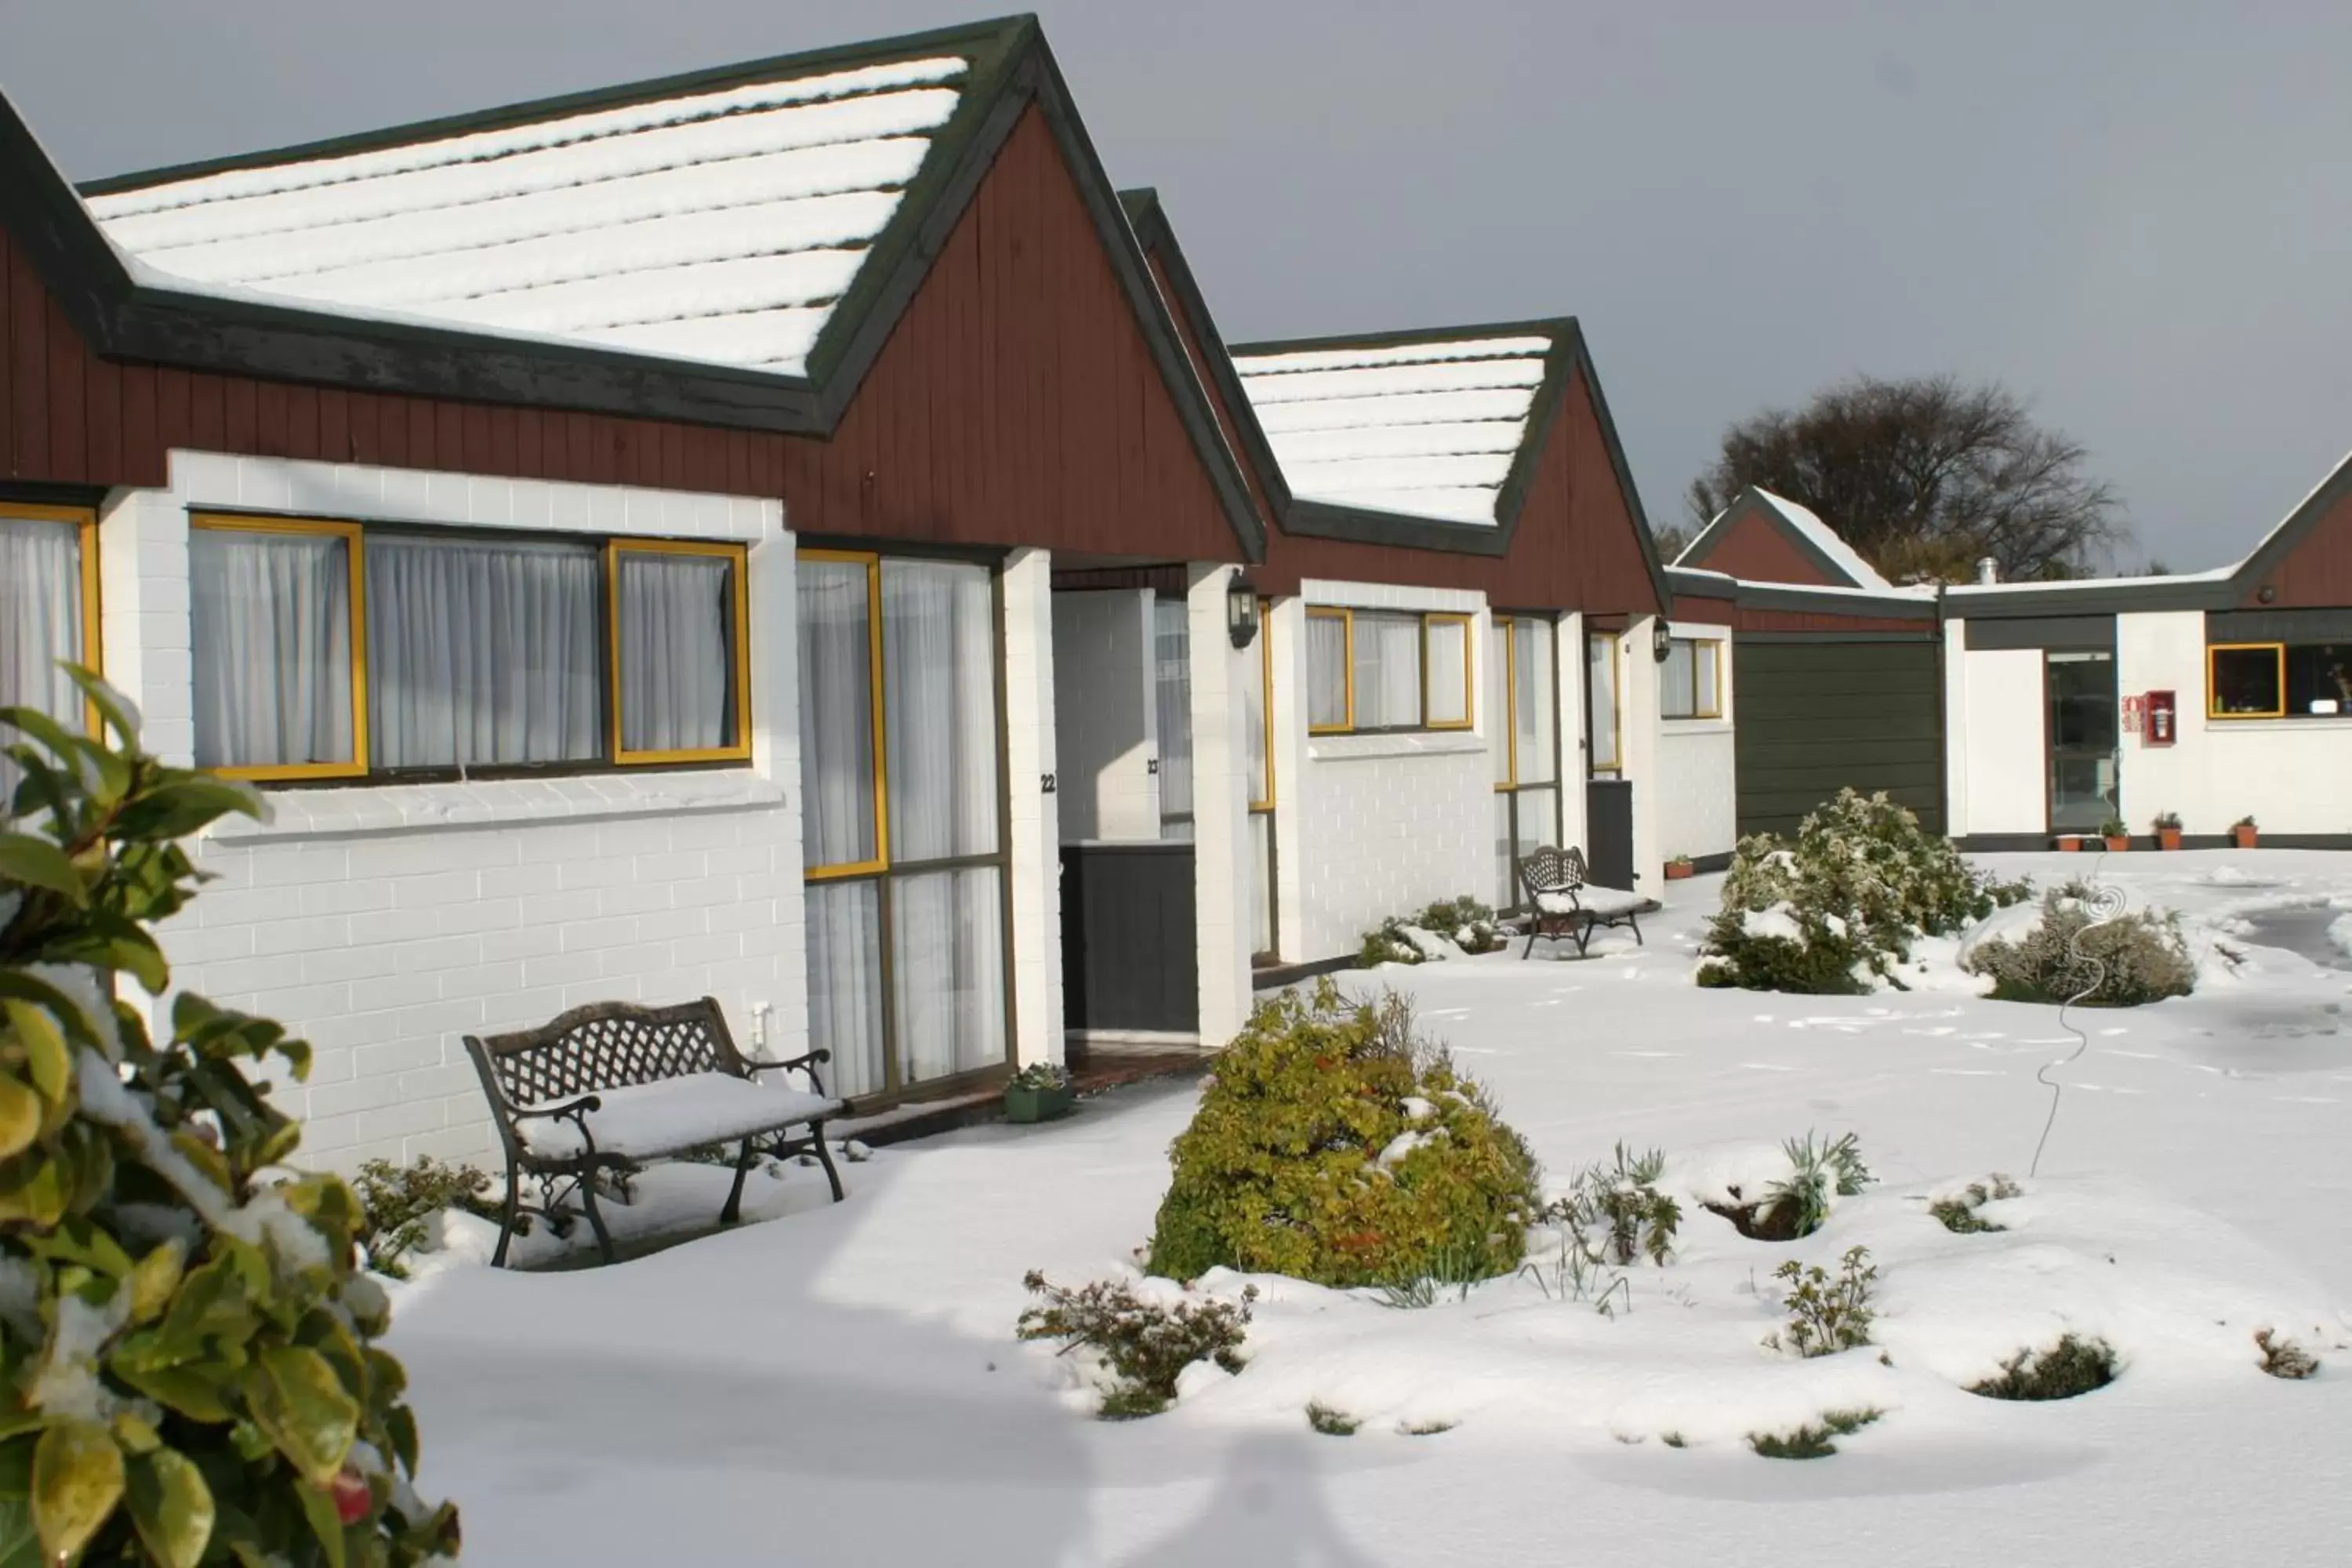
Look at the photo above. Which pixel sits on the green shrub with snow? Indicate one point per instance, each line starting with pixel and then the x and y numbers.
pixel 1840 907
pixel 1143 1346
pixel 187 1341
pixel 1335 1144
pixel 2131 960
pixel 1463 921
pixel 1827 1312
pixel 397 1203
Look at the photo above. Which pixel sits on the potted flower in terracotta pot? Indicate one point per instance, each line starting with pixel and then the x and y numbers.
pixel 2242 830
pixel 2117 834
pixel 2168 830
pixel 1678 868
pixel 1039 1092
pixel 2072 842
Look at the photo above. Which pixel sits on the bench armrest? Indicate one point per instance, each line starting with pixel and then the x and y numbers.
pixel 807 1064
pixel 573 1108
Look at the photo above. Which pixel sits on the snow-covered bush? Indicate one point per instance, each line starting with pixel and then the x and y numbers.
pixel 397 1203
pixel 2139 957
pixel 1463 922
pixel 187 1335
pixel 1143 1346
pixel 2071 1367
pixel 1812 1440
pixel 1959 1213
pixel 1615 1213
pixel 1840 905
pixel 2282 1357
pixel 1817 1171
pixel 1335 1144
pixel 1826 1314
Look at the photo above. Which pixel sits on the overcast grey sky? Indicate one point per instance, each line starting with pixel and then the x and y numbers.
pixel 2132 214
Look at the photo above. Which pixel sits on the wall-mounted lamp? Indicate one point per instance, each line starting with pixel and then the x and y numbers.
pixel 1241 610
pixel 1662 642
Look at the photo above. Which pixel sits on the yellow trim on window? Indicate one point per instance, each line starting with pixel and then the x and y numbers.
pixel 1346 618
pixel 1265 701
pixel 2212 687
pixel 91 655
pixel 740 656
pixel 1714 646
pixel 877 743
pixel 1510 717
pixel 1469 668
pixel 354 563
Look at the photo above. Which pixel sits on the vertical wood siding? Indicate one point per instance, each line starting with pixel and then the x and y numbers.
pixel 1754 549
pixel 2317 573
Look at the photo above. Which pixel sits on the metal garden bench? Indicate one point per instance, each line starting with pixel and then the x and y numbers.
pixel 610 1086
pixel 1563 904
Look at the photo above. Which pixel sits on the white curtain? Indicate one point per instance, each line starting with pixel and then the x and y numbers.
pixel 939 703
pixel 1388 672
pixel 1507 872
pixel 272 619
pixel 1677 685
pixel 40 623
pixel 1535 703
pixel 1253 709
pixel 677 640
pixel 1261 830
pixel 1327 671
pixel 845 969
pixel 1172 688
pixel 1601 697
pixel 948 969
pixel 1448 643
pixel 1498 709
pixel 836 715
pixel 481 653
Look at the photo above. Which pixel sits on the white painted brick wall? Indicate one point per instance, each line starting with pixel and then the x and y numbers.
pixel 384 924
pixel 1695 786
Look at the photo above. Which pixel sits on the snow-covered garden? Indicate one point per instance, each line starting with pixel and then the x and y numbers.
pixel 844 1381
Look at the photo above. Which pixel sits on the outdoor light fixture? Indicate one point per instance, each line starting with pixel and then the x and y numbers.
pixel 1662 642
pixel 1241 609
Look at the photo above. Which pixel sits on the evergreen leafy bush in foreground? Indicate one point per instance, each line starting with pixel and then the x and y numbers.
pixel 187 1370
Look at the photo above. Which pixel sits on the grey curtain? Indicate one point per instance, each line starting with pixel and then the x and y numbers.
pixel 836 714
pixel 1172 691
pixel 271 621
pixel 481 653
pixel 40 623
pixel 677 636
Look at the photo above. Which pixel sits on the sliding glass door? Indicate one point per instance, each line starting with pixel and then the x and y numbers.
pixel 1523 698
pixel 902 818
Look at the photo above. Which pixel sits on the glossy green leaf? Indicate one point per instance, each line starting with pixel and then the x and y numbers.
pixel 295 1396
pixel 154 1279
pixel 47 1057
pixel 112 706
pixel 172 1508
pixel 177 1388
pixel 20 1543
pixel 21 1109
pixel 37 863
pixel 318 1507
pixel 78 1477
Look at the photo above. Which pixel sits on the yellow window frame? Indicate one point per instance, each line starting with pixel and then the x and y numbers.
pixel 91 655
pixel 1510 717
pixel 1469 670
pixel 1616 758
pixel 354 558
pixel 879 741
pixel 740 656
pixel 2213 686
pixel 1714 646
pixel 1346 618
pixel 1265 700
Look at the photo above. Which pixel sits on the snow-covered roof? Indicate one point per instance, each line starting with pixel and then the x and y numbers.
pixel 1825 539
pixel 1426 429
pixel 720 225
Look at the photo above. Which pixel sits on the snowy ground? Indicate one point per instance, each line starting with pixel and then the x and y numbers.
pixel 842 1384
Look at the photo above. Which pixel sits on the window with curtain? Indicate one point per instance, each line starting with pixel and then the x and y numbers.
pixel 1523 688
pixel 335 650
pixel 482 652
pixel 1601 702
pixel 679 651
pixel 47 588
pixel 271 614
pixel 1376 670
pixel 1688 684
pixel 1260 719
pixel 915 889
pixel 1172 701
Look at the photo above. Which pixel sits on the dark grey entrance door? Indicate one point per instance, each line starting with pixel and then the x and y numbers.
pixel 1818 716
pixel 2084 755
pixel 1609 831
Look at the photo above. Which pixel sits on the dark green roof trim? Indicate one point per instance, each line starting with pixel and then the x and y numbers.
pixel 124 316
pixel 1752 500
pixel 1697 583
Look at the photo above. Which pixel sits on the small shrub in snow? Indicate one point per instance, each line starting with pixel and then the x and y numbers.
pixel 1800 1200
pixel 2283 1357
pixel 1424 1428
pixel 1450 1269
pixel 1811 1441
pixel 1616 1213
pixel 396 1202
pixel 1333 1143
pixel 2071 1367
pixel 1843 903
pixel 1329 1422
pixel 193 1370
pixel 1463 921
pixel 1958 1214
pixel 2139 957
pixel 1144 1346
pixel 1826 1314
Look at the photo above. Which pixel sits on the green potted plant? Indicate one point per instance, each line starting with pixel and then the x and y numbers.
pixel 2117 834
pixel 1039 1092
pixel 2242 830
pixel 2168 830
pixel 1678 868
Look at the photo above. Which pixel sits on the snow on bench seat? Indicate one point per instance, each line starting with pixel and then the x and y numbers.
pixel 650 1119
pixel 1592 899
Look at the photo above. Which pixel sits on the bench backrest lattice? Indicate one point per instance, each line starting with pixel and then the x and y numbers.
pixel 1552 870
pixel 611 1044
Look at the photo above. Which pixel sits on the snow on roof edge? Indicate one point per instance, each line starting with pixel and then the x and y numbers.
pixel 1825 539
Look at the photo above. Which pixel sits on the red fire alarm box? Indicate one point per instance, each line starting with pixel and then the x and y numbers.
pixel 2163 722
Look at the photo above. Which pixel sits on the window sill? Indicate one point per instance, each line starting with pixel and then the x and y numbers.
pixel 1409 743
pixel 297 814
pixel 2253 724
pixel 1696 727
